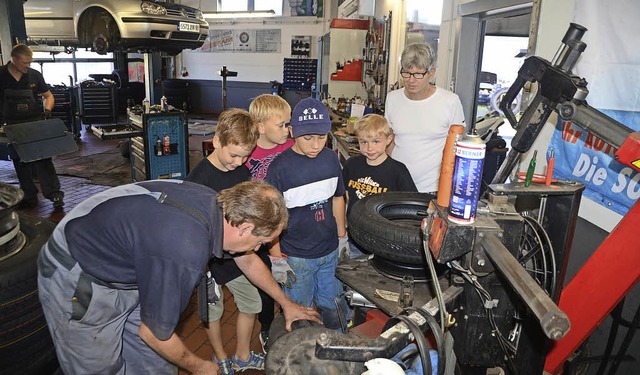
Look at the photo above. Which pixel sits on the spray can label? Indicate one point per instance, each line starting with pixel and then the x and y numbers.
pixel 164 104
pixel 146 105
pixel 467 179
pixel 166 145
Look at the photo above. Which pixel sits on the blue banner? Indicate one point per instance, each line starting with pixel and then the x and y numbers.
pixel 583 157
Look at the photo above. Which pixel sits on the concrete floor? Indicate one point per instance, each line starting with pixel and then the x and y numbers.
pixel 77 189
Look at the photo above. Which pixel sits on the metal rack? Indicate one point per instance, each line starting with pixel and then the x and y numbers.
pixel 98 103
pixel 65 107
pixel 177 93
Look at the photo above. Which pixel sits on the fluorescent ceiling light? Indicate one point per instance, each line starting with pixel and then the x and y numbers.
pixel 241 14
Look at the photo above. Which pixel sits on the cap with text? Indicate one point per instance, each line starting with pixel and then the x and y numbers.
pixel 310 116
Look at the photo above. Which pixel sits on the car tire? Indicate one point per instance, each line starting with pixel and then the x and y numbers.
pixel 388 225
pixel 294 352
pixel 496 98
pixel 99 31
pixel 26 346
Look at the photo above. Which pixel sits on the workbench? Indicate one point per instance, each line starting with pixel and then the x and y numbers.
pixel 343 144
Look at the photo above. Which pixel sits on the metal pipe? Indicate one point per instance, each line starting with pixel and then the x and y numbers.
pixel 507 166
pixel 592 120
pixel 571 48
pixel 554 322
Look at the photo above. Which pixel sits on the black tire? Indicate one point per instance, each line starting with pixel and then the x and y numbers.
pixel 388 225
pixel 99 31
pixel 25 344
pixel 293 353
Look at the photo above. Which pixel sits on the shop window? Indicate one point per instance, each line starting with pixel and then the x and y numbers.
pixel 57 73
pixel 423 21
pixel 92 55
pixel 276 5
pixel 65 68
pixel 250 5
pixel 84 69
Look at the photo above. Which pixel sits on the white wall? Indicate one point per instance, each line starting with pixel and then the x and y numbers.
pixel 254 67
pixel 264 67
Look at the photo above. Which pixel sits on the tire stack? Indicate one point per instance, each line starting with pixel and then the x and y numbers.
pixel 25 344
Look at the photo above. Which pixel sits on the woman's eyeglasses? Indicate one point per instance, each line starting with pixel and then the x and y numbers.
pixel 418 75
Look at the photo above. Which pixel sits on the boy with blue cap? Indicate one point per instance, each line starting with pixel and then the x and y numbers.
pixel 309 176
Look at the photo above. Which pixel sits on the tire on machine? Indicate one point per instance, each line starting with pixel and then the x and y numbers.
pixel 388 225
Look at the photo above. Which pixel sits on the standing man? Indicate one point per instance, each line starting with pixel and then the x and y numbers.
pixel 420 115
pixel 121 267
pixel 20 91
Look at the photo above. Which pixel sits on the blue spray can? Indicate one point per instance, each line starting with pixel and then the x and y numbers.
pixel 467 179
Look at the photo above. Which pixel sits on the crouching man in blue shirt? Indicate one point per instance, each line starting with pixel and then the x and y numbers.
pixel 121 267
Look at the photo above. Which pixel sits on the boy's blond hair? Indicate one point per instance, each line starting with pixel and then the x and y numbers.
pixel 265 105
pixel 237 127
pixel 372 124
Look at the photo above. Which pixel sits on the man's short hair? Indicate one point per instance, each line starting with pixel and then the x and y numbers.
pixel 237 127
pixel 417 55
pixel 21 50
pixel 255 202
pixel 372 124
pixel 266 105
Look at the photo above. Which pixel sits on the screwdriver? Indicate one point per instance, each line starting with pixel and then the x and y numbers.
pixel 550 165
pixel 531 170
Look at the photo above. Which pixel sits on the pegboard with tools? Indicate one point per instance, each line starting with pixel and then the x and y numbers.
pixel 376 62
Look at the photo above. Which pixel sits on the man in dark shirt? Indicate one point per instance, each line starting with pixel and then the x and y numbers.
pixel 120 268
pixel 20 90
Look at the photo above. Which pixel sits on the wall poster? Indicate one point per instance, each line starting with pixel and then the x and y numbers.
pixel 258 40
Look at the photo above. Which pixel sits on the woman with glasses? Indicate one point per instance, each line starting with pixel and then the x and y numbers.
pixel 420 115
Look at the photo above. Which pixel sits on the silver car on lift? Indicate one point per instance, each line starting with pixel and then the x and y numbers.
pixel 115 25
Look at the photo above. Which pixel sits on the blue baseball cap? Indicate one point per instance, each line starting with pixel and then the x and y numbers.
pixel 310 116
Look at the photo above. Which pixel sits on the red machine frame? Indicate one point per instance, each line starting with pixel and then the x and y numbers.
pixel 606 277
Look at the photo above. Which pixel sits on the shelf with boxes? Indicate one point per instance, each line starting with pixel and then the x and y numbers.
pixel 299 74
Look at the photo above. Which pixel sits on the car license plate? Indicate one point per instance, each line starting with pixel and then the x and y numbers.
pixel 186 26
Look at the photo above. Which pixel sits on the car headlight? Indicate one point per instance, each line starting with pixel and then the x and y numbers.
pixel 199 15
pixel 153 8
